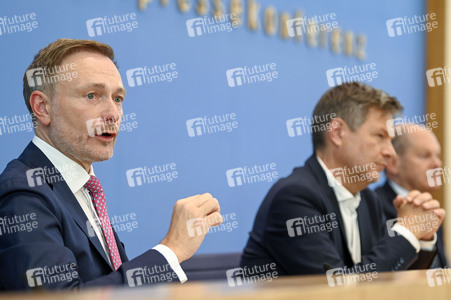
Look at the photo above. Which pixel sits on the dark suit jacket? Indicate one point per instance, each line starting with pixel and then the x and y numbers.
pixel 61 236
pixel 386 195
pixel 306 193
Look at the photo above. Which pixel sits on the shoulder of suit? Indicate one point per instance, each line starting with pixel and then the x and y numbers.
pixel 16 178
pixel 301 184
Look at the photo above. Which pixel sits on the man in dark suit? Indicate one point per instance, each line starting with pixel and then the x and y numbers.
pixel 323 216
pixel 417 151
pixel 55 229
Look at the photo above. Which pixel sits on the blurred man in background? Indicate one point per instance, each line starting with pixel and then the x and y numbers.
pixel 417 151
pixel 323 216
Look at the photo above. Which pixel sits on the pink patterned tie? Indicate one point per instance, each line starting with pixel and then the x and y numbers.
pixel 98 198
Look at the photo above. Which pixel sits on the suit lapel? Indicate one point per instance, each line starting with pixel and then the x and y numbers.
pixel 365 226
pixel 63 192
pixel 120 247
pixel 391 195
pixel 33 157
pixel 330 197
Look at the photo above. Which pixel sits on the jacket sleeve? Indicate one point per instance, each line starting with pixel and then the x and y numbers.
pixel 315 245
pixel 37 257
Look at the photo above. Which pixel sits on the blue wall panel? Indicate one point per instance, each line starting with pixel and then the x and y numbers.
pixel 161 110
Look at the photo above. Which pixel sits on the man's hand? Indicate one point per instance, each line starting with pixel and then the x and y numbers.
pixel 420 214
pixel 182 238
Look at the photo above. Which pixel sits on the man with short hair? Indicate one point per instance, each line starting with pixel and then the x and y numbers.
pixel 73 244
pixel 417 151
pixel 323 216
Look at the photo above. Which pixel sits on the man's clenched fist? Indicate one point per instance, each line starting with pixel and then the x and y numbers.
pixel 195 208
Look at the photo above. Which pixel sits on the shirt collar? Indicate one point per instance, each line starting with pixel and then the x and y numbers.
pixel 399 190
pixel 74 175
pixel 340 191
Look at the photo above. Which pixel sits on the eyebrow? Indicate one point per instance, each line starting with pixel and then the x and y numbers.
pixel 103 86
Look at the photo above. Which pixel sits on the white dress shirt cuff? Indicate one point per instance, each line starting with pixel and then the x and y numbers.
pixel 404 232
pixel 170 256
pixel 429 245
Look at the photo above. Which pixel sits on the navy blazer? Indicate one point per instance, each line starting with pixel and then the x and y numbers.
pixel 386 195
pixel 306 194
pixel 59 238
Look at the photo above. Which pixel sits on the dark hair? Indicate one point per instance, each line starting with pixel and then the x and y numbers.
pixel 350 102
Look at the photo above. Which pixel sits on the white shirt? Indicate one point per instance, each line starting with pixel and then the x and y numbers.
pixel 348 204
pixel 76 176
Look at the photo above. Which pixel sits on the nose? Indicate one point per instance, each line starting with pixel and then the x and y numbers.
pixel 437 162
pixel 388 151
pixel 111 111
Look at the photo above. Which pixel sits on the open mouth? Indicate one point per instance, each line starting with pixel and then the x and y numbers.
pixel 106 136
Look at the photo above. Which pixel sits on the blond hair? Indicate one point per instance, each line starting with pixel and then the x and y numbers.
pixel 52 56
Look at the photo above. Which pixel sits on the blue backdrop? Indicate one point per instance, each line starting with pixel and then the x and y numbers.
pixel 242 125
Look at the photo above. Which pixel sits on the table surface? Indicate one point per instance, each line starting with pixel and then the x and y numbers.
pixel 393 285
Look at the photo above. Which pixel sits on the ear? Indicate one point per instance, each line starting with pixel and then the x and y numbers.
pixel 337 130
pixel 40 104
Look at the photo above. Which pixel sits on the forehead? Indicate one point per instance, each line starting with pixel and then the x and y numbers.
pixel 92 66
pixel 422 139
pixel 377 117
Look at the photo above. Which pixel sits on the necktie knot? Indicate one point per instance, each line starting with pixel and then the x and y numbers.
pixel 93 185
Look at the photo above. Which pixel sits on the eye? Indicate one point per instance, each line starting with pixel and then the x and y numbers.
pixel 90 96
pixel 118 99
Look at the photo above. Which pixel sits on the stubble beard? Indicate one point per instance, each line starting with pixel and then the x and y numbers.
pixel 75 145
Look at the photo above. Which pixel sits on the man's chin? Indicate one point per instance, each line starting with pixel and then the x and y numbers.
pixel 102 156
